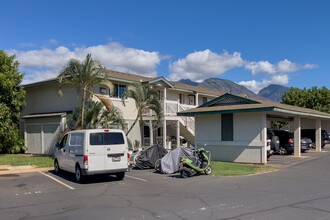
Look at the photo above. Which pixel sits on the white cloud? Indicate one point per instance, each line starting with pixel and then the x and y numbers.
pixel 204 64
pixel 284 66
pixel 256 86
pixel 47 63
pixel 260 67
pixel 279 73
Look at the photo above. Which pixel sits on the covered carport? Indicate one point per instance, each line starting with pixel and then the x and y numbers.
pixel 234 128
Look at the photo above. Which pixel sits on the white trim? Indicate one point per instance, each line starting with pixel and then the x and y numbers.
pixel 25 134
pixel 46 123
pixel 264 137
pixel 297 136
pixel 42 139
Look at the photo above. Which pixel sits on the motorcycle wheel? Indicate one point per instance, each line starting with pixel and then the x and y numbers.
pixel 208 170
pixel 186 172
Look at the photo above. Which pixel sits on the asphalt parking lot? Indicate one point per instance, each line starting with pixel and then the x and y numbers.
pixel 300 191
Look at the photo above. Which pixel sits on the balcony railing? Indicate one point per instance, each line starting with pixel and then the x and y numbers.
pixel 172 107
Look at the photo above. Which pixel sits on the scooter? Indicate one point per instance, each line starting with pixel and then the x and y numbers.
pixel 199 163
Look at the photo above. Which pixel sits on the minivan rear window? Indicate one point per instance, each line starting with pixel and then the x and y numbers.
pixel 111 138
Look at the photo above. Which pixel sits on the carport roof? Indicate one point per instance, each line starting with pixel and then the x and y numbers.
pixel 229 103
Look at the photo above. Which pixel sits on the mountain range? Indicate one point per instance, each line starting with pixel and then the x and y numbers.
pixel 272 92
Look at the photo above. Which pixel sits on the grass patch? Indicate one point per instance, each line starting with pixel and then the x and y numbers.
pixel 236 169
pixel 3 169
pixel 26 159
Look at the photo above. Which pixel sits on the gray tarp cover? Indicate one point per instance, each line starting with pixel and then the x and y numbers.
pixel 170 162
pixel 149 156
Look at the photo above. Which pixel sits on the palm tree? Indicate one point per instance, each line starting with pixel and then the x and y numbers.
pixel 96 117
pixel 145 98
pixel 84 76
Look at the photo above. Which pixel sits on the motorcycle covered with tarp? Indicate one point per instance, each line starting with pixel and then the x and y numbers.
pixel 170 162
pixel 146 159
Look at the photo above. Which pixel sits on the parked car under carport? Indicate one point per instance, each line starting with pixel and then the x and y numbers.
pixel 286 142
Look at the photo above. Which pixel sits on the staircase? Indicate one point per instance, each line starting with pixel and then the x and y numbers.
pixel 187 124
pixel 187 127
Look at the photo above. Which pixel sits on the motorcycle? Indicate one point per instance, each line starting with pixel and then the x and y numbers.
pixel 199 163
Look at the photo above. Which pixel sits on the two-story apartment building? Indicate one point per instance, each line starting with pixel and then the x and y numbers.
pixel 44 117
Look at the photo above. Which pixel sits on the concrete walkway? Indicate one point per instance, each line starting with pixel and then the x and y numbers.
pixel 7 169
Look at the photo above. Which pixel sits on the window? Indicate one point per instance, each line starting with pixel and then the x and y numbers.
pixel 119 90
pixel 191 99
pixel 103 91
pixel 204 100
pixel 77 139
pixel 161 95
pixel 227 127
pixel 63 141
pixel 182 98
pixel 112 138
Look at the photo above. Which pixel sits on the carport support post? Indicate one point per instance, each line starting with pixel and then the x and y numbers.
pixel 264 138
pixel 297 136
pixel 177 134
pixel 151 133
pixel 164 134
pixel 318 135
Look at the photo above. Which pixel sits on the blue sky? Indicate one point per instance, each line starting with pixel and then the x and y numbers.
pixel 253 43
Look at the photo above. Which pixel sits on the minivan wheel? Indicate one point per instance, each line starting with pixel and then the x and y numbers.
pixel 120 176
pixel 56 167
pixel 78 174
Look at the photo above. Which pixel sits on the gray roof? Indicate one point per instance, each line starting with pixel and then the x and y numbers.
pixel 120 76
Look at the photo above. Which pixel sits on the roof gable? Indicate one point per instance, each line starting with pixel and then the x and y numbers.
pixel 229 99
pixel 160 81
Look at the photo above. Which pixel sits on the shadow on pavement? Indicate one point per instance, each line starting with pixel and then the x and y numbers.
pixel 92 179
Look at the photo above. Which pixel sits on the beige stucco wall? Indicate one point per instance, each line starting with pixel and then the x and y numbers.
pixel 44 98
pixel 248 143
pixel 247 127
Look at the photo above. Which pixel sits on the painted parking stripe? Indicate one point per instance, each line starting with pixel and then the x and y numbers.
pixel 60 182
pixel 137 178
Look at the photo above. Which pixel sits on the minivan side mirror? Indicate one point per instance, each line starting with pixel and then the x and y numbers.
pixel 57 145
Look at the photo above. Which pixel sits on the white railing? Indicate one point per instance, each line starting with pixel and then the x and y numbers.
pixel 172 108
pixel 189 122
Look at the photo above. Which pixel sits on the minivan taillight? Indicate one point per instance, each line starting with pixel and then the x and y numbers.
pixel 85 162
pixel 127 155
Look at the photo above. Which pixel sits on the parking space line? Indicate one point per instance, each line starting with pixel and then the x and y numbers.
pixel 137 178
pixel 60 182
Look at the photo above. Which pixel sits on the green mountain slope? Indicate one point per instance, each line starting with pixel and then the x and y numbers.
pixel 227 86
pixel 273 92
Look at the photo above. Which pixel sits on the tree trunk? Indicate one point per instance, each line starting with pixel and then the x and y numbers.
pixel 129 130
pixel 83 108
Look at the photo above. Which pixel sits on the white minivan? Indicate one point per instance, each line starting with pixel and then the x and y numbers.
pixel 94 151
